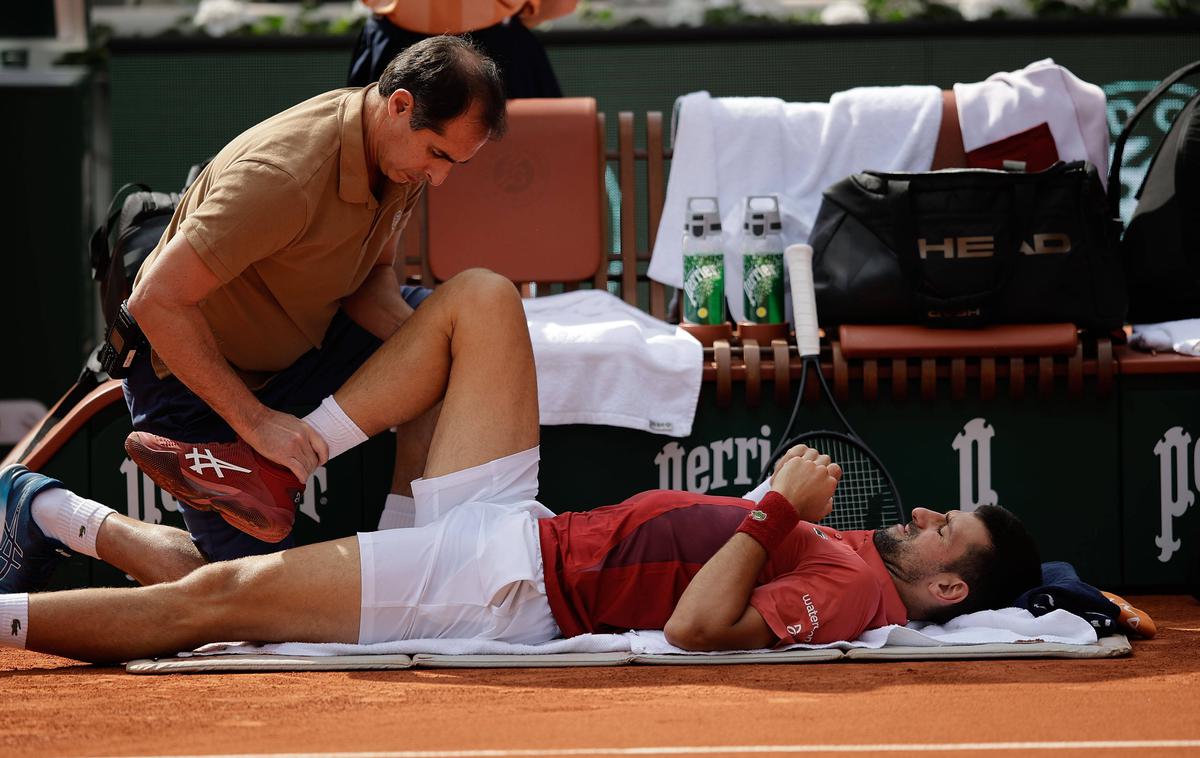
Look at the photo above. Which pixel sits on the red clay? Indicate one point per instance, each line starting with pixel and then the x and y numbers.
pixel 50 706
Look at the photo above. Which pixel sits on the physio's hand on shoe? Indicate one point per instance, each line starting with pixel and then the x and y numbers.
pixel 807 479
pixel 288 441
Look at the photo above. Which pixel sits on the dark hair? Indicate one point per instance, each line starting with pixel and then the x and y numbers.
pixel 446 75
pixel 997 574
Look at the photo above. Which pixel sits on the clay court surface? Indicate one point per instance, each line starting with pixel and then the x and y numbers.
pixel 1147 705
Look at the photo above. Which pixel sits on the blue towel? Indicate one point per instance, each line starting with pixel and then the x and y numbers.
pixel 1062 588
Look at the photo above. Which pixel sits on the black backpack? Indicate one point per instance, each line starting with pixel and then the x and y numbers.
pixel 133 225
pixel 136 220
pixel 1161 246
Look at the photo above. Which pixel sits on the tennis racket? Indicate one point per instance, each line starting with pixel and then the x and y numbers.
pixel 866 498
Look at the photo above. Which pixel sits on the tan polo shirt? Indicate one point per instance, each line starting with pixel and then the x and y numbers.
pixel 285 218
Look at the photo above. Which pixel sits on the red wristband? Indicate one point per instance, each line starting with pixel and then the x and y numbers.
pixel 771 521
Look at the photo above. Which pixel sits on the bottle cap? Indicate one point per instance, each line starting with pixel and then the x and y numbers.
pixel 762 215
pixel 703 217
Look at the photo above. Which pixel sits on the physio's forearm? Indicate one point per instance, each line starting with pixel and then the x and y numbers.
pixel 377 305
pixel 181 336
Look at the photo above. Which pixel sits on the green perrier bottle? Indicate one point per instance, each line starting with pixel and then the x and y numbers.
pixel 762 261
pixel 703 263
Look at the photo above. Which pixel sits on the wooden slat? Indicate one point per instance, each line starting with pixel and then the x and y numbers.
pixel 654 201
pixel 600 281
pixel 628 208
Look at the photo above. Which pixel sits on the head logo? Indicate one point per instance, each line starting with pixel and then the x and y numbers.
pixel 1053 243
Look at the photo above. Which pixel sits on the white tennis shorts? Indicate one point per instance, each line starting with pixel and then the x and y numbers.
pixel 471 568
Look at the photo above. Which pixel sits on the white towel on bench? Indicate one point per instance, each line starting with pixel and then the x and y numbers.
pixel 733 147
pixel 603 361
pixel 1178 336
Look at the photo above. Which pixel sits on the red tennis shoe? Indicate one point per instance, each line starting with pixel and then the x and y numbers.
pixel 252 493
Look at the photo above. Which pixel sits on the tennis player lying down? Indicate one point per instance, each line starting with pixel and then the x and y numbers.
pixel 490 562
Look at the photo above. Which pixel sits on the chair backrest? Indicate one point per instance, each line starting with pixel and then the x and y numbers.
pixel 530 205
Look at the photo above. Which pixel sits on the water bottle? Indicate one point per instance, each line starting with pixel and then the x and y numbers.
pixel 762 261
pixel 703 263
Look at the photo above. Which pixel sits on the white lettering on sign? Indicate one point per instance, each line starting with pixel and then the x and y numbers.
pixel 1173 492
pixel 709 466
pixel 974 446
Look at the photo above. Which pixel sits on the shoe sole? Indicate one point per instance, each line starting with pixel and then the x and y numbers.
pixel 162 466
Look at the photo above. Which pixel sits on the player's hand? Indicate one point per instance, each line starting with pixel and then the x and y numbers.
pixel 795 451
pixel 288 441
pixel 807 480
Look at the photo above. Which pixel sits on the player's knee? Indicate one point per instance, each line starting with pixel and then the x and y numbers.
pixel 214 593
pixel 485 290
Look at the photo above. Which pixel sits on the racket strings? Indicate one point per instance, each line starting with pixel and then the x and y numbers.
pixel 864 498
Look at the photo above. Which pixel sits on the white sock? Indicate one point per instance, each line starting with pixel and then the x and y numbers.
pixel 72 520
pixel 14 619
pixel 335 427
pixel 399 512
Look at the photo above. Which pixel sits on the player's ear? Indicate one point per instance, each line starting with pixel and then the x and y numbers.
pixel 948 588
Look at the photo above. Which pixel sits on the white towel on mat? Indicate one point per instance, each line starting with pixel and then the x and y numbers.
pixel 1167 336
pixel 584 643
pixel 733 147
pixel 983 627
pixel 1007 625
pixel 603 361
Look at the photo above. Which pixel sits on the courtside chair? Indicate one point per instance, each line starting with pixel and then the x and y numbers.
pixel 531 206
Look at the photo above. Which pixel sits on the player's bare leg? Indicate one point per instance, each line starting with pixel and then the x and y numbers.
pixel 150 553
pixel 468 342
pixel 412 449
pixel 308 594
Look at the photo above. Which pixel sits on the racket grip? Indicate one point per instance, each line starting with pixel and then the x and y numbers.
pixel 804 300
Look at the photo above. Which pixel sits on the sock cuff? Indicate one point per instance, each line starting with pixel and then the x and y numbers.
pixel 337 429
pixel 72 520
pixel 14 619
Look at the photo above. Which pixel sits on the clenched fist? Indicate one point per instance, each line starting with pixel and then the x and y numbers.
pixel 807 479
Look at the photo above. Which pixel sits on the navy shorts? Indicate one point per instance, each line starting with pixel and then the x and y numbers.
pixel 168 408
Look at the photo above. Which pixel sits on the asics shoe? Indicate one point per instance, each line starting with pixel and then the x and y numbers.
pixel 252 493
pixel 27 555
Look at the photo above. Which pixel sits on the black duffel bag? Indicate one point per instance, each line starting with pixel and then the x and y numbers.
pixel 964 248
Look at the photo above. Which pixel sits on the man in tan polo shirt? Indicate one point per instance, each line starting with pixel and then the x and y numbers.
pixel 274 283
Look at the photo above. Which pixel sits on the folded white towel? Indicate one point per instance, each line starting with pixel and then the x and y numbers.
pixel 1178 336
pixel 603 361
pixel 1043 92
pixel 730 148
